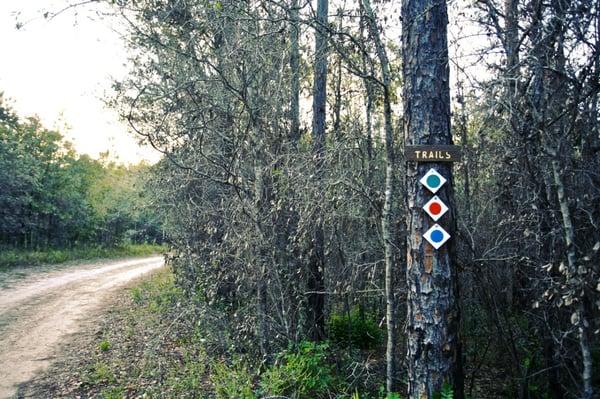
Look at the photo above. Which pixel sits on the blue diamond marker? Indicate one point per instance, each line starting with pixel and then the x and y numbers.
pixel 436 236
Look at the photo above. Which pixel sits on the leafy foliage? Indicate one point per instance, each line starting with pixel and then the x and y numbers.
pixel 354 330
pixel 300 373
pixel 51 197
pixel 446 392
pixel 233 381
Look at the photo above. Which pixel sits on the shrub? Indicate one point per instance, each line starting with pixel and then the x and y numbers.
pixel 445 393
pixel 232 382
pixel 303 373
pixel 354 330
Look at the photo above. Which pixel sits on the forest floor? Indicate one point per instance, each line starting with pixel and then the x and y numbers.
pixel 40 310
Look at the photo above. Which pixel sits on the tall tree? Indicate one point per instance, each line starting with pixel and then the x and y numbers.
pixel 434 349
pixel 295 71
pixel 386 219
pixel 316 299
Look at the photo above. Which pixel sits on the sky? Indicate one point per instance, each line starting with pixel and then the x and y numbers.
pixel 61 70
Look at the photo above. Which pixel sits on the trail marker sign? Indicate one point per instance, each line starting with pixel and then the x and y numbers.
pixel 432 153
pixel 436 236
pixel 435 208
pixel 433 181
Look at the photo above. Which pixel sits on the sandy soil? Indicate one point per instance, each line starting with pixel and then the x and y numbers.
pixel 37 312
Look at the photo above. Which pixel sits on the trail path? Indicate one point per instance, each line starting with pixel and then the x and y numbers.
pixel 37 312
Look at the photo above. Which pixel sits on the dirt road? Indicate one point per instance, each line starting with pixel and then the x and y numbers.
pixel 37 312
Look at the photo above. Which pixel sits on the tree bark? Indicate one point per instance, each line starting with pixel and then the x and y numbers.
pixel 316 287
pixel 434 348
pixel 583 323
pixel 295 72
pixel 337 105
pixel 512 76
pixel 260 201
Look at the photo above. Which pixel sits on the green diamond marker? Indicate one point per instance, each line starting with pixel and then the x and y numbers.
pixel 433 180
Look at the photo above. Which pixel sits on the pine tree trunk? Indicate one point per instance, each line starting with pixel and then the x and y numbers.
pixel 512 77
pixel 289 216
pixel 434 349
pixel 316 287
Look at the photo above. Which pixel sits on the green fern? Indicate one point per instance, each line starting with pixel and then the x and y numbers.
pixel 447 392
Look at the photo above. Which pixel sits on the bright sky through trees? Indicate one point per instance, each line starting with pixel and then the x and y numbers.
pixel 61 70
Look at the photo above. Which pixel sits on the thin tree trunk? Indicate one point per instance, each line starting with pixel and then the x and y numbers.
pixel 289 216
pixel 591 135
pixel 584 344
pixel 316 287
pixel 368 176
pixel 555 39
pixel 582 322
pixel 295 72
pixel 464 131
pixel 337 105
pixel 386 219
pixel 512 85
pixel 434 348
pixel 261 289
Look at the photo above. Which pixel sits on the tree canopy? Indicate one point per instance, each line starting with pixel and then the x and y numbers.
pixel 52 197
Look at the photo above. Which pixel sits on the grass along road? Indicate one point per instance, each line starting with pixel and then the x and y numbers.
pixel 36 313
pixel 23 259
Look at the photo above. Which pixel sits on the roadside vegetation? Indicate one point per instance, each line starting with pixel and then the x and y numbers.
pixel 158 342
pixel 10 258
pixel 288 231
pixel 58 206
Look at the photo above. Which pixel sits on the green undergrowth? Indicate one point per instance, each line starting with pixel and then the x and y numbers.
pixel 10 258
pixel 158 344
pixel 148 346
pixel 355 330
pixel 307 370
